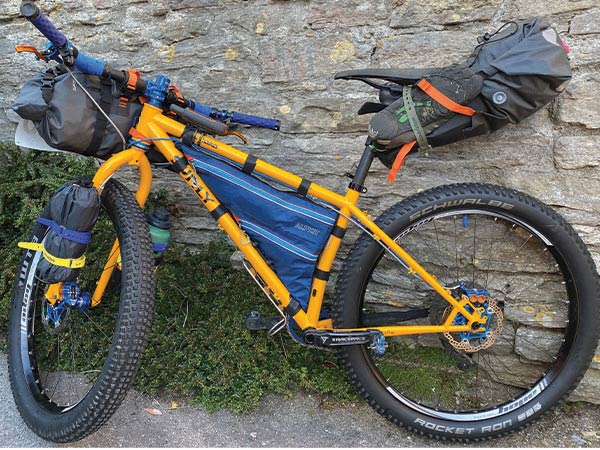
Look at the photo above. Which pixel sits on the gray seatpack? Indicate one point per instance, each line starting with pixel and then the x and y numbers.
pixel 67 119
pixel 517 70
pixel 524 66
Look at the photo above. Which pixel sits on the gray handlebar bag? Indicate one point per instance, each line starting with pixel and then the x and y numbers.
pixel 67 119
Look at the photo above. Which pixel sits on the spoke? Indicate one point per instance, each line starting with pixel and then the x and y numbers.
pixel 474 247
pixel 477 379
pixel 432 251
pixel 456 250
pixel 74 340
pixel 542 349
pixel 507 370
pixel 57 373
pixel 95 325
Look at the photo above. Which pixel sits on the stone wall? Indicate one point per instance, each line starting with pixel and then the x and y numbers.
pixel 277 59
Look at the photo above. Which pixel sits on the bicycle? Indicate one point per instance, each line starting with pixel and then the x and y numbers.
pixel 463 312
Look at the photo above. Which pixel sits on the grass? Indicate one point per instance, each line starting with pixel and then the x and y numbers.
pixel 199 349
pixel 26 182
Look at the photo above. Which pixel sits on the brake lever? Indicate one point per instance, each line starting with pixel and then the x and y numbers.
pixel 237 134
pixel 31 49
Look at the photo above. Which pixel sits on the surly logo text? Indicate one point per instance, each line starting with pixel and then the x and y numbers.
pixel 462 202
pixel 192 181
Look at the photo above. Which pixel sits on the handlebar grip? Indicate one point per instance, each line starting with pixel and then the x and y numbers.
pixel 89 65
pixel 256 121
pixel 206 123
pixel 205 110
pixel 32 13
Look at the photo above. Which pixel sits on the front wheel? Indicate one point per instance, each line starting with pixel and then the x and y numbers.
pixel 530 273
pixel 70 371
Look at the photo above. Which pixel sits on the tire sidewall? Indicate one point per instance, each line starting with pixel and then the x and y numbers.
pixel 89 414
pixel 421 207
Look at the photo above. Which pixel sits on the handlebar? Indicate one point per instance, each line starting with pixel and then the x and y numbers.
pixel 246 119
pixel 93 66
pixel 200 120
pixel 83 62
pixel 42 23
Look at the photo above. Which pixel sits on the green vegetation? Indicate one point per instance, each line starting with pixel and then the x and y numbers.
pixel 427 374
pixel 199 348
pixel 26 182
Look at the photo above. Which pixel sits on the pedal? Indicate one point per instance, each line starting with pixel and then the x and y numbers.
pixel 255 322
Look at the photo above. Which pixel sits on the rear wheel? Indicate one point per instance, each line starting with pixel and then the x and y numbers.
pixel 532 275
pixel 69 374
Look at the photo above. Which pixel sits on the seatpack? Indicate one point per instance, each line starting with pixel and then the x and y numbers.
pixel 74 209
pixel 67 119
pixel 511 74
pixel 289 230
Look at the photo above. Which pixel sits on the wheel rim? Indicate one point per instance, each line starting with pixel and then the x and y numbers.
pixel 533 288
pixel 62 364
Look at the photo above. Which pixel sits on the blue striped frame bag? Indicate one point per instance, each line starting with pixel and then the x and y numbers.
pixel 289 230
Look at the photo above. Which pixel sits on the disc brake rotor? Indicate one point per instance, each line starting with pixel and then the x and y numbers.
pixel 472 345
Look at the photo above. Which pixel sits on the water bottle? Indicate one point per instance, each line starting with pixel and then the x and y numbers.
pixel 159 223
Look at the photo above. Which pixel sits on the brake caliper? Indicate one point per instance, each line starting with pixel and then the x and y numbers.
pixel 477 301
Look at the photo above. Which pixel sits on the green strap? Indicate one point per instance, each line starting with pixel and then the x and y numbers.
pixel 413 119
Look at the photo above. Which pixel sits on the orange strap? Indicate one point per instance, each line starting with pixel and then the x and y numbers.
pixel 175 90
pixel 443 100
pixel 138 136
pixel 132 79
pixel 399 160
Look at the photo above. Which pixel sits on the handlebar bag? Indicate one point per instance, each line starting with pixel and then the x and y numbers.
pixel 74 209
pixel 510 75
pixel 289 230
pixel 67 119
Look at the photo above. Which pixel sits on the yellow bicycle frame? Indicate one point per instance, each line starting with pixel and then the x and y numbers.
pixel 153 124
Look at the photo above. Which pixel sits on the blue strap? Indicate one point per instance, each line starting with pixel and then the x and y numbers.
pixel 81 237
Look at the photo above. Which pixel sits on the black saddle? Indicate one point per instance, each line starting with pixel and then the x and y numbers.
pixel 398 76
pixel 390 90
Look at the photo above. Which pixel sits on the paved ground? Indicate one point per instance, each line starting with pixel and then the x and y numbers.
pixel 280 422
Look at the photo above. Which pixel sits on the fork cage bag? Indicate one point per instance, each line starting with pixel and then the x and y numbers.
pixel 74 207
pixel 289 230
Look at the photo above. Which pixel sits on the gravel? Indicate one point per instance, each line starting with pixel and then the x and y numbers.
pixel 299 421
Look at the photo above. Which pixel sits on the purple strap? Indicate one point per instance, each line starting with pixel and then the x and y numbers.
pixel 81 237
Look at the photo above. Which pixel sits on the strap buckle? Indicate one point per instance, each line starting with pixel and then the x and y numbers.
pixel 132 79
pixel 71 263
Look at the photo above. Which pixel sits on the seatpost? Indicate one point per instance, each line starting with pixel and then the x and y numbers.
pixel 362 170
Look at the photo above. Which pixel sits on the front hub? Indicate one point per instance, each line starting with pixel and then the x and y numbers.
pixel 57 305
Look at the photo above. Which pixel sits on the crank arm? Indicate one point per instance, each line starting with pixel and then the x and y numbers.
pixel 325 338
